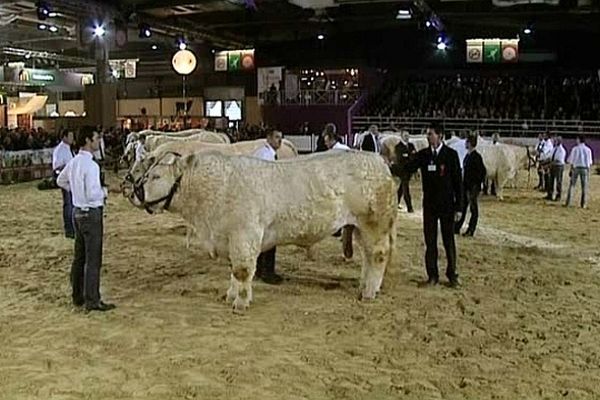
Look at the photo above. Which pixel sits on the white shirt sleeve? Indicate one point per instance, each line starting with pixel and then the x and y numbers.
pixel 140 152
pixel 63 178
pixel 61 156
pixel 93 190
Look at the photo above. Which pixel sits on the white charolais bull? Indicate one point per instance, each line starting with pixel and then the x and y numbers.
pixel 241 206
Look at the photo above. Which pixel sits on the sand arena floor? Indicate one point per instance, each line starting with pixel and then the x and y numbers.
pixel 525 324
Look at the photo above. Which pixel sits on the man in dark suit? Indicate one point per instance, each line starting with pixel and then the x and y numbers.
pixel 442 200
pixel 474 176
pixel 370 141
pixel 404 150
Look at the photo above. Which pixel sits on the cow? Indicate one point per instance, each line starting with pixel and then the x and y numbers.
pixel 184 148
pixel 241 206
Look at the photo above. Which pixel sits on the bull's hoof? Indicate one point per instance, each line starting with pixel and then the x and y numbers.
pixel 240 306
pixel 366 295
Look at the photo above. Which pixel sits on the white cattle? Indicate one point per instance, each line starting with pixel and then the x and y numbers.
pixel 241 206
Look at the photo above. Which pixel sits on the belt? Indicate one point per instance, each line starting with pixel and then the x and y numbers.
pixel 87 209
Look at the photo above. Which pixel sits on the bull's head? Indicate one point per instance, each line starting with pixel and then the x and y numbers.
pixel 155 189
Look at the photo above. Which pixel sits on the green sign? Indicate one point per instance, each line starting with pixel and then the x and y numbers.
pixel 491 52
pixel 234 62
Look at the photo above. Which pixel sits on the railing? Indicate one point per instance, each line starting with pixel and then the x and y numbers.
pixel 312 97
pixel 486 127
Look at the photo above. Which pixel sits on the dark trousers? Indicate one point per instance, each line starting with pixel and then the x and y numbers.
pixel 404 191
pixel 556 177
pixel 470 200
pixel 430 229
pixel 85 271
pixel 265 265
pixel 67 213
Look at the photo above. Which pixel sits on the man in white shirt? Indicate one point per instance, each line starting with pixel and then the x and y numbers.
pixel 81 177
pixel 370 140
pixel 557 167
pixel 545 160
pixel 61 156
pixel 265 265
pixel 581 161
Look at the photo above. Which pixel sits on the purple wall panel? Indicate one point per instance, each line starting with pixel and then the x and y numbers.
pixel 289 117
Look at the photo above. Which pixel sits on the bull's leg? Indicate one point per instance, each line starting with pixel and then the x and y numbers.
pixel 188 236
pixel 240 288
pixel 310 253
pixel 376 255
pixel 347 241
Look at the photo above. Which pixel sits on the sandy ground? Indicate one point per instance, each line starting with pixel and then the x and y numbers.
pixel 525 324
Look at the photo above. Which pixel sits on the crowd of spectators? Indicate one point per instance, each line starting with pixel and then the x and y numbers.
pixel 26 139
pixel 489 97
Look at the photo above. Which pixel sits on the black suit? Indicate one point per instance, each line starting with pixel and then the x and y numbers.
pixel 474 176
pixel 369 143
pixel 403 153
pixel 442 197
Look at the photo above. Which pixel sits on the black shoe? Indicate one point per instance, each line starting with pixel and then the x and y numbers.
pixel 431 282
pixel 101 306
pixel 468 233
pixel 338 233
pixel 410 211
pixel 78 302
pixel 272 278
pixel 454 283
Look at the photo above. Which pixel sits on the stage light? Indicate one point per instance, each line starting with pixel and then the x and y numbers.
pixel 42 27
pixel 43 10
pixel 403 14
pixel 115 73
pixel 428 24
pixel 99 31
pixel 527 31
pixel 154 47
pixel 182 46
pixel 53 29
pixel 52 14
pixel 145 31
pixel 441 46
pixel 320 36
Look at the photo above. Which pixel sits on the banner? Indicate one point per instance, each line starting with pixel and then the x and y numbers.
pixel 235 60
pixel 51 78
pixel 492 51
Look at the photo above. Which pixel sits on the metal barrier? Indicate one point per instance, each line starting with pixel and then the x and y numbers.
pixel 486 127
pixel 313 97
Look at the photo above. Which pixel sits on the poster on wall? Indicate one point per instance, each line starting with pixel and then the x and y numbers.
pixel 268 78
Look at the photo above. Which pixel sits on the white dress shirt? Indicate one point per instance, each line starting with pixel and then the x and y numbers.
pixel 266 153
pixel 437 149
pixel 340 146
pixel 61 155
pixel 581 156
pixel 547 150
pixel 81 177
pixel 558 155
pixel 140 151
pixel 100 153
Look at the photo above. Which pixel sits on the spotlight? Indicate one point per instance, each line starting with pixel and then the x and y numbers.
pixel 99 31
pixel 53 29
pixel 527 31
pixel 440 39
pixel 182 46
pixel 441 46
pixel 320 36
pixel 180 41
pixel 52 14
pixel 145 31
pixel 115 73
pixel 154 47
pixel 42 9
pixel 428 24
pixel 403 14
pixel 28 56
pixel 42 27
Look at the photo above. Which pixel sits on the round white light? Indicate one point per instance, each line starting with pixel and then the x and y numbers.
pixel 184 62
pixel 441 46
pixel 527 31
pixel 321 37
pixel 182 46
pixel 115 73
pixel 42 26
pixel 154 47
pixel 99 31
pixel 53 29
